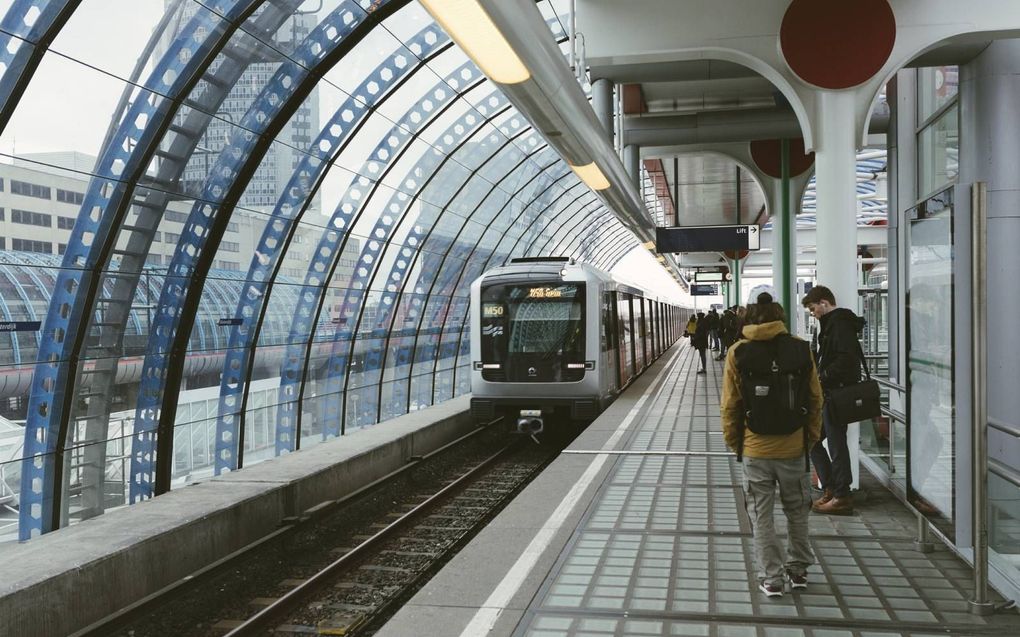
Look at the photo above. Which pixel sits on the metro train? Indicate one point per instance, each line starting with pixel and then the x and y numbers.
pixel 552 337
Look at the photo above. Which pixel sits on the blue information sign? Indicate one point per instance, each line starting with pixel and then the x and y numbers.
pixel 704 290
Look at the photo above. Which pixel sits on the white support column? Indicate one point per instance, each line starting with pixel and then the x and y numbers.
pixel 836 167
pixel 602 104
pixel 836 234
pixel 632 163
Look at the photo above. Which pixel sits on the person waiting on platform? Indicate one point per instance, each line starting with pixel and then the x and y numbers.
pixel 771 417
pixel 713 330
pixel 692 324
pixel 727 331
pixel 699 340
pixel 838 365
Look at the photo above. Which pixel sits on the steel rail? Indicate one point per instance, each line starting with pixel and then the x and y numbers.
pixel 145 606
pixel 264 619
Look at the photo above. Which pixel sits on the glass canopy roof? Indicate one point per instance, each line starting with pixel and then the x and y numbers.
pixel 267 215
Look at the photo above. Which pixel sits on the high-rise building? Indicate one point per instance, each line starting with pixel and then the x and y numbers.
pixel 278 165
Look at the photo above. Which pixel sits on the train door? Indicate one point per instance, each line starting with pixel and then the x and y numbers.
pixel 650 322
pixel 638 318
pixel 625 342
pixel 609 362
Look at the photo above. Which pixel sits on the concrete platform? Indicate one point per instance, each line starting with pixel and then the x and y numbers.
pixel 651 543
pixel 64 581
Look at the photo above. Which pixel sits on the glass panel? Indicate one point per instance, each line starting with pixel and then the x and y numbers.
pixel 931 409
pixel 1003 523
pixel 938 153
pixel 936 86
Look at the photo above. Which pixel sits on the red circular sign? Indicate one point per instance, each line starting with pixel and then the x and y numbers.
pixel 768 157
pixel 837 45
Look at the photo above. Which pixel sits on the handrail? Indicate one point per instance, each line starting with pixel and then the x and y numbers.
pixel 1012 430
pixel 895 415
pixel 1006 473
pixel 889 384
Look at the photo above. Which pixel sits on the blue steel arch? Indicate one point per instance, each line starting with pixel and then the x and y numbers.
pixel 442 277
pixel 296 362
pixel 540 179
pixel 207 220
pixel 332 139
pixel 121 163
pixel 24 38
pixel 339 369
pixel 383 229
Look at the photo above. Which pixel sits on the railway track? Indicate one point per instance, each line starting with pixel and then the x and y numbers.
pixel 347 572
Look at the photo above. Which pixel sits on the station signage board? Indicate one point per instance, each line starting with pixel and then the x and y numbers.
pixel 712 276
pixel 704 290
pixel 707 238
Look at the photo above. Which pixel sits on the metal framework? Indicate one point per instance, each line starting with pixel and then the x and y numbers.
pixel 478 188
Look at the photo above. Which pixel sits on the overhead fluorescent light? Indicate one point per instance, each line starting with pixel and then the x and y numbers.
pixel 472 28
pixel 591 175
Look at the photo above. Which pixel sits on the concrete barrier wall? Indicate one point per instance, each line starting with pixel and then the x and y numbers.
pixel 64 581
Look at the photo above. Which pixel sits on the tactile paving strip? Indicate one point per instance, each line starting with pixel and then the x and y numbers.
pixel 666 549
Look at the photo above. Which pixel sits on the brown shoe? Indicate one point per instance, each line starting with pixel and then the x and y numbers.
pixel 835 506
pixel 822 500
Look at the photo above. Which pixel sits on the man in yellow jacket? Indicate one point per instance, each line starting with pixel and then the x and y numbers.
pixel 769 459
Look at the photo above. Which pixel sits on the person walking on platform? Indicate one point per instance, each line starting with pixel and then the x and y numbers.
pixel 700 339
pixel 838 364
pixel 771 417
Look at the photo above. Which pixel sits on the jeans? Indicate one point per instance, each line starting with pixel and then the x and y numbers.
pixel 833 466
pixel 760 478
pixel 713 339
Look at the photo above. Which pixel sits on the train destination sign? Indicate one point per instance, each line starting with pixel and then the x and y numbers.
pixel 704 290
pixel 707 238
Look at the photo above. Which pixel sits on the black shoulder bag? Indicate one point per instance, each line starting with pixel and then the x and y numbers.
pixel 856 402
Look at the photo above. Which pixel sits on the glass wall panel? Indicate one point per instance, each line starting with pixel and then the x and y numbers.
pixel 1003 521
pixel 936 87
pixel 938 152
pixel 930 378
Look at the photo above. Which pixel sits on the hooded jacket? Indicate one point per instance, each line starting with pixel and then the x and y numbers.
pixel 837 356
pixel 732 407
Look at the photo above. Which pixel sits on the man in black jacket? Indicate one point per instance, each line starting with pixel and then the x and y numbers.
pixel 838 364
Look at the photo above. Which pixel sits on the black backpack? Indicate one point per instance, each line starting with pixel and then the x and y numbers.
pixel 775 376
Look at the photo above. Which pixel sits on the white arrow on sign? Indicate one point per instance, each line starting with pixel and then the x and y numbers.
pixel 753 240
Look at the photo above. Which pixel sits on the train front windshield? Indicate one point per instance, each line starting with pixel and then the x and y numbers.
pixel 533 333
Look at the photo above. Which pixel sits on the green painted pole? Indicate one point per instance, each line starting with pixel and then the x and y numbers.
pixel 736 262
pixel 786 219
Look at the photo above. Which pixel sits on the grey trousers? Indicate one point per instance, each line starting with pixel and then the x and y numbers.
pixel 760 478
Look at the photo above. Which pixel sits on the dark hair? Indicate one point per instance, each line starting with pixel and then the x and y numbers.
pixel 764 311
pixel 817 294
